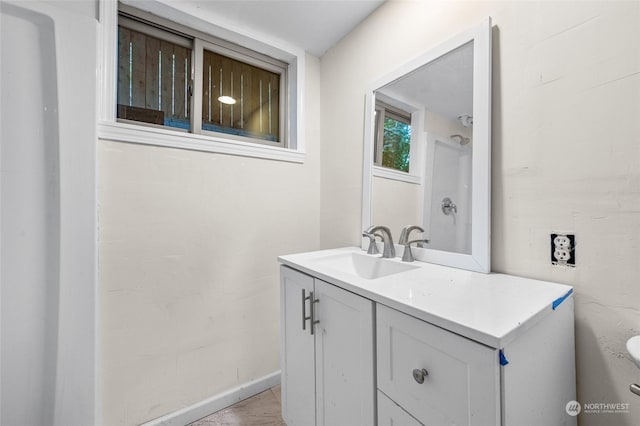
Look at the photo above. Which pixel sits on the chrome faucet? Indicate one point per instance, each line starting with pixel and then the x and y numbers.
pixel 404 235
pixel 407 255
pixel 389 251
pixel 373 248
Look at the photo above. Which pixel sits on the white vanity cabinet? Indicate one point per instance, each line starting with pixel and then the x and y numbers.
pixel 431 376
pixel 451 347
pixel 328 372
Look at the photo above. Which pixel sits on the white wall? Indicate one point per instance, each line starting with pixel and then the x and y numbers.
pixel 396 204
pixel 189 279
pixel 566 154
pixel 441 126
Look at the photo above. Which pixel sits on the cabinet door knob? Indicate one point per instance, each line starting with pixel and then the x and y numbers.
pixel 420 375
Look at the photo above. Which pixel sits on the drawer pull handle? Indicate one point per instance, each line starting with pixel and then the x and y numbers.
pixel 312 304
pixel 635 389
pixel 312 316
pixel 420 375
pixel 304 309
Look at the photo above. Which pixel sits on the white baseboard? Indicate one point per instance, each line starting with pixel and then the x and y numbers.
pixel 208 406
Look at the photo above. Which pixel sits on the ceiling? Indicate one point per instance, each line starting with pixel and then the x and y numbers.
pixel 443 86
pixel 314 25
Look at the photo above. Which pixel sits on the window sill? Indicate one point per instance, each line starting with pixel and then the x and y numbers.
pixel 131 133
pixel 386 173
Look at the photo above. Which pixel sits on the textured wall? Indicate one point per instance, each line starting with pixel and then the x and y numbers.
pixel 566 154
pixel 189 280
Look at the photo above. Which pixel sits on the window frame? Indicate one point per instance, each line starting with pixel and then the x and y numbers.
pixel 159 30
pixel 265 63
pixel 384 110
pixel 206 28
pixel 418 140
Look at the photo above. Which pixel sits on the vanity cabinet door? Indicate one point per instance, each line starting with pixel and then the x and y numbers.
pixel 345 371
pixel 439 377
pixel 297 350
pixel 328 376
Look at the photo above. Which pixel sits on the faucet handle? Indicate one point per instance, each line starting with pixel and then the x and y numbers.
pixel 407 254
pixel 406 231
pixel 373 248
pixel 389 250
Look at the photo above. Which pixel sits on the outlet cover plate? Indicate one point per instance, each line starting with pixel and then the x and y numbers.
pixel 571 261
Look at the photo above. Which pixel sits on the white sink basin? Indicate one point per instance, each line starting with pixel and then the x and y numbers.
pixel 364 265
pixel 633 346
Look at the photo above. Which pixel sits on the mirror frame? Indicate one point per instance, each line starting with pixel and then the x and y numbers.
pixel 480 258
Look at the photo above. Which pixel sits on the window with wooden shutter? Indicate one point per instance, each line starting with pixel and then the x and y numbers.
pixel 242 92
pixel 153 75
pixel 239 98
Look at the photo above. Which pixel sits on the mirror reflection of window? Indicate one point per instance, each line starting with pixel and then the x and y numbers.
pixel 393 137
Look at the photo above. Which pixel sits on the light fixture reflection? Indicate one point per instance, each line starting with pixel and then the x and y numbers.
pixel 227 100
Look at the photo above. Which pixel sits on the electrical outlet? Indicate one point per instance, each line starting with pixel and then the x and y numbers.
pixel 563 249
pixel 561 255
pixel 562 242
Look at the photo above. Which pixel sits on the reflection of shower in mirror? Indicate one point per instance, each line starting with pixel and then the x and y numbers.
pixel 448 206
pixel 447 196
pixel 466 120
pixel 461 139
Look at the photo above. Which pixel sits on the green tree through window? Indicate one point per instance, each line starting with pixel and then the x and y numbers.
pixel 396 143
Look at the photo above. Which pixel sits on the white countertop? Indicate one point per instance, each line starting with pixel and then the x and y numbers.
pixel 492 309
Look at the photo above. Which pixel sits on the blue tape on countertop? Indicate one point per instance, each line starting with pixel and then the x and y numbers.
pixel 559 300
pixel 503 359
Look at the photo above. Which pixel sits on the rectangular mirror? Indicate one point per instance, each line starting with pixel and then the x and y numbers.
pixel 428 151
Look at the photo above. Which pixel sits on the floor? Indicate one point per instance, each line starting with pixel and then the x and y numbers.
pixel 260 410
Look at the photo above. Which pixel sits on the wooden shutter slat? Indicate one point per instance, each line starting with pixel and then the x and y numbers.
pixel 216 65
pixel 262 102
pixel 166 84
pixel 124 37
pixel 254 100
pixel 152 49
pixel 274 79
pixel 138 77
pixel 237 71
pixel 187 104
pixel 227 68
pixel 206 63
pixel 180 78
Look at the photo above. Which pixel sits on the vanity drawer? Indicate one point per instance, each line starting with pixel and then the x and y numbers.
pixel 461 377
pixel 391 414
